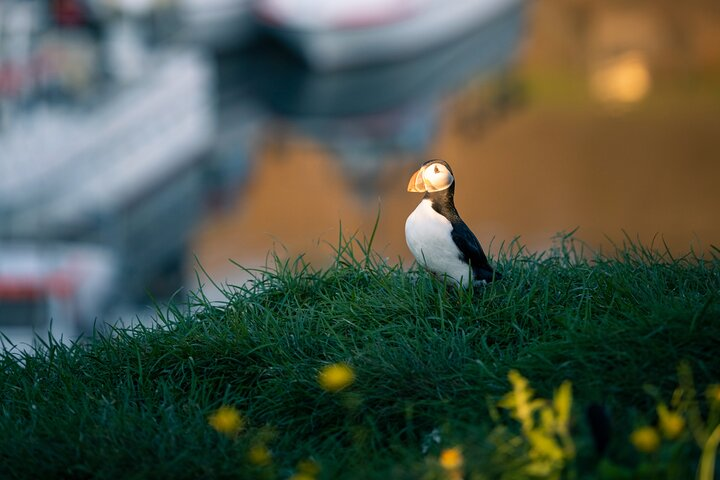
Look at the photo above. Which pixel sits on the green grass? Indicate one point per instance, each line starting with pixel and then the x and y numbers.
pixel 134 403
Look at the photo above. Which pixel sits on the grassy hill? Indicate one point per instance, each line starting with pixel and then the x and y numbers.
pixel 421 387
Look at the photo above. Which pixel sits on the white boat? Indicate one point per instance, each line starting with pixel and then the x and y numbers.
pixel 60 167
pixel 333 35
pixel 367 116
pixel 116 172
pixel 52 286
pixel 100 139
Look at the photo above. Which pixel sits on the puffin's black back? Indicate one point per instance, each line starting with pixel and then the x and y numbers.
pixel 471 252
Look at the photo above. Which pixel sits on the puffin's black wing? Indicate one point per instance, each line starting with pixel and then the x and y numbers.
pixel 472 252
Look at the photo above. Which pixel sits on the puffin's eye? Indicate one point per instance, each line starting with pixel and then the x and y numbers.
pixel 437 170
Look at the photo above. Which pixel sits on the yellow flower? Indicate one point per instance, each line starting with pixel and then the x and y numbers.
pixel 451 458
pixel 543 445
pixel 672 424
pixel 521 402
pixel 645 439
pixel 562 401
pixel 259 455
pixel 336 377
pixel 226 420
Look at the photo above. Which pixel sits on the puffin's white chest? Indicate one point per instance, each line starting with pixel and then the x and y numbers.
pixel 428 235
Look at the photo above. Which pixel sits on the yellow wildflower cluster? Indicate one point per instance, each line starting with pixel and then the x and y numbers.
pixel 545 425
pixel 451 459
pixel 227 420
pixel 336 377
pixel 684 415
pixel 260 455
pixel 645 439
pixel 671 422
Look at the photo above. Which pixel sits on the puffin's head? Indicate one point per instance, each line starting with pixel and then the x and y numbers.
pixel 433 176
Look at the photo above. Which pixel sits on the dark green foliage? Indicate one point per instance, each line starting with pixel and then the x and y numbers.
pixel 133 403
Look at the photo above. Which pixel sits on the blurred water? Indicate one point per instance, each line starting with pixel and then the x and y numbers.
pixel 554 115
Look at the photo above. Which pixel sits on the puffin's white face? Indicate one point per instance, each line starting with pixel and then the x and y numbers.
pixel 430 178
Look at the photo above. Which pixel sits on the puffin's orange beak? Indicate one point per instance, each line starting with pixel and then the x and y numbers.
pixel 416 183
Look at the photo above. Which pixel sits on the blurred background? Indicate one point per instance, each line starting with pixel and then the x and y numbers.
pixel 140 137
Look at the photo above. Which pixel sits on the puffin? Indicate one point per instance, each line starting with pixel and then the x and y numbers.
pixel 436 235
